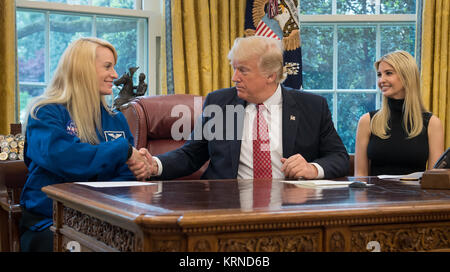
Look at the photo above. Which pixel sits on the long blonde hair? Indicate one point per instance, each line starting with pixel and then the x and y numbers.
pixel 75 86
pixel 406 67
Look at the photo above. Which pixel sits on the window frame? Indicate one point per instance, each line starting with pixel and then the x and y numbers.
pixel 376 20
pixel 148 54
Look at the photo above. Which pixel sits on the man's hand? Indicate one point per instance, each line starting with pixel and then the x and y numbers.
pixel 152 162
pixel 142 164
pixel 297 167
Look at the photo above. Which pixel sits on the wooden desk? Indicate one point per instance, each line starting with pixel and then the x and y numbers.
pixel 218 216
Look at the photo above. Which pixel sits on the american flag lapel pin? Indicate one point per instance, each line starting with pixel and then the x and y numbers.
pixel 292 118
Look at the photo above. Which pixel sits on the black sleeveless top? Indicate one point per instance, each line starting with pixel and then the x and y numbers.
pixel 398 155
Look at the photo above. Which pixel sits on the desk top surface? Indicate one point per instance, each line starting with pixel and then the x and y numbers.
pixel 206 198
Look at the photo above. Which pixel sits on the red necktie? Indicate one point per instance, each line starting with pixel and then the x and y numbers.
pixel 262 166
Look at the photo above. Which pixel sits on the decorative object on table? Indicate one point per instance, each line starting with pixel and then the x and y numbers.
pixel 142 87
pixel 11 147
pixel 439 176
pixel 127 91
pixel 436 179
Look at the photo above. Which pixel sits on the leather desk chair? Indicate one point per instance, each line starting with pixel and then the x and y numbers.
pixel 351 170
pixel 13 175
pixel 150 121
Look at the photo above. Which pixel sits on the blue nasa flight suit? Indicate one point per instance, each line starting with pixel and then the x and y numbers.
pixel 54 154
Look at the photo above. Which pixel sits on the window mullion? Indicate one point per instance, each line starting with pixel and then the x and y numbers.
pixel 377 56
pixel 138 4
pixel 335 74
pixel 141 52
pixel 62 7
pixel 345 18
pixel 47 48
pixel 377 7
pixel 94 26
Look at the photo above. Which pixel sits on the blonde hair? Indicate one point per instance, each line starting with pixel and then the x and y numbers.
pixel 75 86
pixel 269 51
pixel 406 67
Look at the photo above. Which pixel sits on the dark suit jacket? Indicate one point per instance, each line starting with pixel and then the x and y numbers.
pixel 311 134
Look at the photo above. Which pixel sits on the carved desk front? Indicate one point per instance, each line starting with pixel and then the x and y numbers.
pixel 232 215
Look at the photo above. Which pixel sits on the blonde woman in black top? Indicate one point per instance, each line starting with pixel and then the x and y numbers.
pixel 400 137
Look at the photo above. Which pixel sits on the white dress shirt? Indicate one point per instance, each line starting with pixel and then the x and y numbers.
pixel 246 195
pixel 273 115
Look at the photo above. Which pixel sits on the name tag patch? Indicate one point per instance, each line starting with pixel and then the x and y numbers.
pixel 113 135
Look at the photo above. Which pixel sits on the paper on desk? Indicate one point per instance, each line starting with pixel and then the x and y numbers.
pixel 320 183
pixel 106 184
pixel 415 175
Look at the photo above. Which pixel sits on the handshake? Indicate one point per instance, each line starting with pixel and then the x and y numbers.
pixel 142 164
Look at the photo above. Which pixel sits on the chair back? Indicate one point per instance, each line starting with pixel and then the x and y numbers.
pixel 162 123
pixel 13 175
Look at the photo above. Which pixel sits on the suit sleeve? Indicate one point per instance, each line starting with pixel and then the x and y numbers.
pixel 190 157
pixel 52 148
pixel 333 157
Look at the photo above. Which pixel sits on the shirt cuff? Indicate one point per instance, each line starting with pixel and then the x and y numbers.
pixel 159 166
pixel 130 151
pixel 320 173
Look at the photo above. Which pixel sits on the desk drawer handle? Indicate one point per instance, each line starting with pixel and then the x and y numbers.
pixel 373 246
pixel 73 246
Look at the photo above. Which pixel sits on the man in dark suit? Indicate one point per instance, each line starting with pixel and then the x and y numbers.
pixel 303 140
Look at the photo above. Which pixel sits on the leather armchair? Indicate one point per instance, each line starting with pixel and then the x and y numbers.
pixel 13 175
pixel 152 119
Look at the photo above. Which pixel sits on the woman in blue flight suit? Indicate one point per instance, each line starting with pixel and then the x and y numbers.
pixel 73 135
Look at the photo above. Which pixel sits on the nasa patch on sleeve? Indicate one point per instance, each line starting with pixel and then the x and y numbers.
pixel 71 128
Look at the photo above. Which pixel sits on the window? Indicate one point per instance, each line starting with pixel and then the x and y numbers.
pixel 45 28
pixel 341 40
pixel 129 4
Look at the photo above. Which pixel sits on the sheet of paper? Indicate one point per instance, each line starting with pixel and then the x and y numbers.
pixel 107 184
pixel 322 183
pixel 415 175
